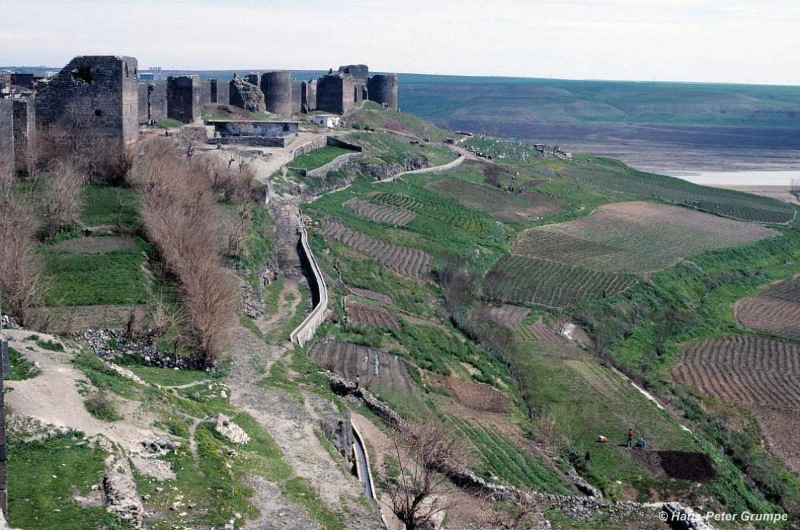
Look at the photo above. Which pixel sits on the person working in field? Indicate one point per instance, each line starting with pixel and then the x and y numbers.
pixel 629 443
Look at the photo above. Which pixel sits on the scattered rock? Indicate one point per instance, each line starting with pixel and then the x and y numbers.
pixel 230 430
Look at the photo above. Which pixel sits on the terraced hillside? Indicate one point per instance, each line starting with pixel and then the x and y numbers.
pixel 521 241
pixel 635 237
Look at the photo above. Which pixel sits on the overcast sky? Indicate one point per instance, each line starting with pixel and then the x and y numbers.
pixel 741 41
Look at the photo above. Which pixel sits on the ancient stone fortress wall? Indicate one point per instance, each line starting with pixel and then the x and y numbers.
pixel 220 92
pixel 297 96
pixel 6 132
pixel 245 94
pixel 183 98
pixel 205 92
pixel 24 132
pixel 143 96
pixel 97 94
pixel 158 102
pixel 277 89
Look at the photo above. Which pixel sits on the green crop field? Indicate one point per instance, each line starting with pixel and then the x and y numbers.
pixel 538 282
pixel 502 460
pixel 110 278
pixel 503 205
pixel 446 211
pixel 108 205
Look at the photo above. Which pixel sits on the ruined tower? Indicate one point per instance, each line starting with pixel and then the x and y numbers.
pixel 183 98
pixel 335 93
pixel 383 90
pixel 24 133
pixel 277 89
pixel 94 97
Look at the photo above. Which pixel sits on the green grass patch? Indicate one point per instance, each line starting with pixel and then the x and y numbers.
pixel 318 157
pixel 248 324
pixel 301 491
pixel 168 123
pixel 112 278
pixel 44 475
pixel 20 368
pixel 109 205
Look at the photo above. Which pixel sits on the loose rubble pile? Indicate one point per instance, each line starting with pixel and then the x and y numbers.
pixel 110 343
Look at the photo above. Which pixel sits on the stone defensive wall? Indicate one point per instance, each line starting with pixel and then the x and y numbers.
pixel 305 331
pixel 6 132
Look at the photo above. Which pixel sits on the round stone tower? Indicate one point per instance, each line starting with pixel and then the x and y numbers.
pixel 277 89
pixel 382 89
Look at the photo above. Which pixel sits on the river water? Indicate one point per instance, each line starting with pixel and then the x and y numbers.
pixel 736 178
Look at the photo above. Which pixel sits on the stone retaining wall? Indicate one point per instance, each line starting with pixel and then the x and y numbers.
pixel 335 164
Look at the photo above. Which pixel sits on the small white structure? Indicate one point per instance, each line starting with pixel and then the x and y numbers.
pixel 327 120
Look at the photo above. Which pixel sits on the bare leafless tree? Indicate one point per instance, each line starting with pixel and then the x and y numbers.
pixel 425 453
pixel 20 265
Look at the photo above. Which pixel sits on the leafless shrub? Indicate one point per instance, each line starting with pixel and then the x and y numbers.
pixel 521 514
pixel 61 204
pixel 238 231
pixel 231 179
pixel 20 265
pixel 180 216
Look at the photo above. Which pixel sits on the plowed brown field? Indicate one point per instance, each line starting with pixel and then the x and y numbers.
pixel 774 310
pixel 758 373
pixel 376 370
pixel 371 315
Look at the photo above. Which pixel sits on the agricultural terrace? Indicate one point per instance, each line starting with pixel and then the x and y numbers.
pixel 635 237
pixel 395 149
pixel 370 315
pixel 612 175
pixel 407 261
pixel 378 371
pixel 755 372
pixel 521 205
pixel 586 399
pixel 448 212
pixel 743 369
pixel 379 213
pixel 537 282
pixel 774 310
pixel 319 157
pixel 501 460
pixel 405 213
